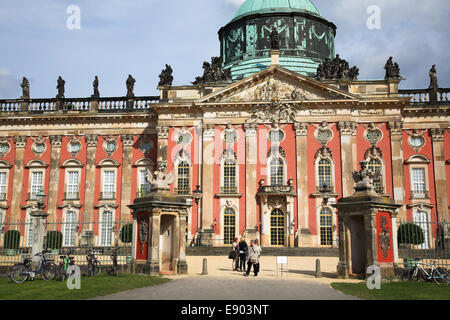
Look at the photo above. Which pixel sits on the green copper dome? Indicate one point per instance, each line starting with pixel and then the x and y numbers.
pixel 305 37
pixel 251 7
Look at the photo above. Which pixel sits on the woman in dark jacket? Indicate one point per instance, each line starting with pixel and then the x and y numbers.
pixel 243 249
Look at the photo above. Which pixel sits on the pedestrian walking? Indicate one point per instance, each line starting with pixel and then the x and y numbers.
pixel 243 249
pixel 254 253
pixel 234 254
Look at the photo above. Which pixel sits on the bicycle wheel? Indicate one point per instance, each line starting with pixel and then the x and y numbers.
pixel 49 271
pixel 441 276
pixel 414 274
pixel 97 268
pixel 61 273
pixel 19 273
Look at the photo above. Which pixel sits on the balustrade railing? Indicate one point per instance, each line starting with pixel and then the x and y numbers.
pixel 426 96
pixel 113 104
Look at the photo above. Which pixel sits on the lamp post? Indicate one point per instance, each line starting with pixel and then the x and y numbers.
pixel 197 194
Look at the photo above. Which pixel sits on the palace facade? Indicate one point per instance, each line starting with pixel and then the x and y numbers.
pixel 271 121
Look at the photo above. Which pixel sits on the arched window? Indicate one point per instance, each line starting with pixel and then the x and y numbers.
pixel 326 227
pixel 229 176
pixel 277 228
pixel 324 172
pixel 183 185
pixel 276 172
pixel 70 224
pixel 374 165
pixel 229 225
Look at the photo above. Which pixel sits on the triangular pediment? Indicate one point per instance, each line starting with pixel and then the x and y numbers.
pixel 276 83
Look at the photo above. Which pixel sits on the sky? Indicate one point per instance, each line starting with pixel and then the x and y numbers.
pixel 138 37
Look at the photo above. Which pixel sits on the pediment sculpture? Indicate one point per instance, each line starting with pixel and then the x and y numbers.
pixel 160 179
pixel 365 178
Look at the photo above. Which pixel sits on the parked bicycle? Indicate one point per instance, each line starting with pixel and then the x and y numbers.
pixel 21 272
pixel 94 266
pixel 115 268
pixel 63 269
pixel 438 275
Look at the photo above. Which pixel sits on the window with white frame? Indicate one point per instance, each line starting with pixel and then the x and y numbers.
pixel 108 184
pixel 375 165
pixel 70 225
pixel 29 230
pixel 324 172
pixel 418 182
pixel 72 185
pixel 106 228
pixel 3 177
pixel 36 183
pixel 183 178
pixel 229 176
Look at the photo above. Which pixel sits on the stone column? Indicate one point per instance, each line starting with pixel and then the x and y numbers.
pixel 440 181
pixel 206 230
pixel 127 162
pixel 398 180
pixel 163 142
pixel 153 248
pixel 348 155
pixel 301 145
pixel 89 200
pixel 182 264
pixel 20 142
pixel 54 186
pixel 251 185
pixel 37 221
pixel 343 266
pixel 370 225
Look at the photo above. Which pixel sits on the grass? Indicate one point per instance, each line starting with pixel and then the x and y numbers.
pixel 90 287
pixel 399 290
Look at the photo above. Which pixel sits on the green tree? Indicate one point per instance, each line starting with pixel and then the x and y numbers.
pixel 410 233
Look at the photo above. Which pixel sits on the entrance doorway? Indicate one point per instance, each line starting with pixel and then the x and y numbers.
pixel 167 240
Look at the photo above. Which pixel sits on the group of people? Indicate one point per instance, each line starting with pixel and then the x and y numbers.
pixel 243 254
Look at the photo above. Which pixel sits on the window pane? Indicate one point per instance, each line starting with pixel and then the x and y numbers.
pixel 106 228
pixel 277 228
pixel 418 180
pixel 229 226
pixel 72 184
pixel 229 177
pixel 143 183
pixel 70 225
pixel 324 172
pixel 326 227
pixel 183 178
pixel 374 165
pixel 108 184
pixel 2 182
pixel 36 182
pixel 276 172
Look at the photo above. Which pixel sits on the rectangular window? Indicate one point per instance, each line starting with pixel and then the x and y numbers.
pixel 418 181
pixel 72 185
pixel 70 225
pixel 108 185
pixel 106 229
pixel 2 185
pixel 36 183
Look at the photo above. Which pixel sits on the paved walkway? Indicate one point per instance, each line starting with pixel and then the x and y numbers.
pixel 297 282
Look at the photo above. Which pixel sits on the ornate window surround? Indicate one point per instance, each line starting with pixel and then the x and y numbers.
pixel 324 154
pixel 224 157
pixel 36 165
pixel 141 165
pixel 182 156
pixel 419 161
pixel 5 167
pixel 269 171
pixel 333 222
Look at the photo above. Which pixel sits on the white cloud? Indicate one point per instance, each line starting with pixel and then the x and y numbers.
pixel 235 2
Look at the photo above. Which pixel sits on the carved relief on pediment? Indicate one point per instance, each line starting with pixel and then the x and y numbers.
pixel 273 89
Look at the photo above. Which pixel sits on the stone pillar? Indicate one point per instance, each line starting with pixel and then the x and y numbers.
pixel 301 145
pixel 440 181
pixel 343 268
pixel 37 221
pixel 153 248
pixel 251 185
pixel 127 162
pixel 348 155
pixel 163 142
pixel 20 142
pixel 206 230
pixel 398 180
pixel 182 264
pixel 54 186
pixel 91 142
pixel 370 224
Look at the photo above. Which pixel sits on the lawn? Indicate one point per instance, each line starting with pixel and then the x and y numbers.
pixel 401 290
pixel 90 287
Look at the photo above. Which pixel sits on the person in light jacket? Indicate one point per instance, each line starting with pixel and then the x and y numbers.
pixel 254 254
